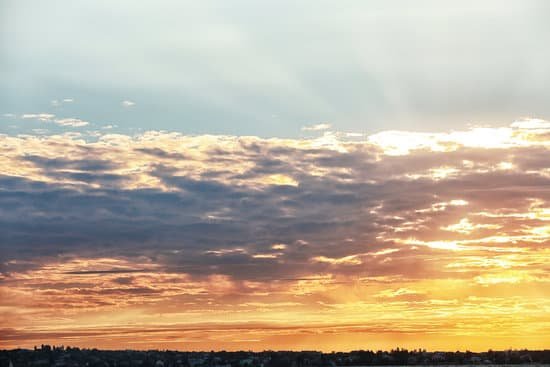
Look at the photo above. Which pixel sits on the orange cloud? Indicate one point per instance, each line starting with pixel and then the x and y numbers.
pixel 163 240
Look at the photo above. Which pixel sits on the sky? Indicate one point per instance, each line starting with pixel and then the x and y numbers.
pixel 249 176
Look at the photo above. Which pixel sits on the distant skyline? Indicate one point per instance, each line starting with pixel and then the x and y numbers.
pixel 288 176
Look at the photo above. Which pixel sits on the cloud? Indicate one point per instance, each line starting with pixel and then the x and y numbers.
pixel 347 228
pixel 531 124
pixel 57 103
pixel 46 117
pixel 127 103
pixel 99 272
pixel 50 117
pixel 73 122
pixel 346 260
pixel 318 127
pixel 301 193
pixel 393 293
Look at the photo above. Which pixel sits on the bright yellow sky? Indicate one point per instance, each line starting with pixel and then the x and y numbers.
pixel 162 240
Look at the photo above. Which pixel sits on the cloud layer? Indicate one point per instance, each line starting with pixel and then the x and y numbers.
pixel 379 235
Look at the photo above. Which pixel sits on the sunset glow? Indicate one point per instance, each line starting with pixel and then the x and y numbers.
pixel 279 179
pixel 150 241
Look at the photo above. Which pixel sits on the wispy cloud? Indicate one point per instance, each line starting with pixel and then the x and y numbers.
pixel 38 116
pixel 57 102
pixel 73 122
pixel 317 127
pixel 50 117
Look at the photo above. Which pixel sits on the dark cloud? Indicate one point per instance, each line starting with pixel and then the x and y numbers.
pixel 160 153
pixel 99 272
pixel 204 216
pixel 76 164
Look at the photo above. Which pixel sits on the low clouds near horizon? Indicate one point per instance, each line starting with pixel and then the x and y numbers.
pixel 392 233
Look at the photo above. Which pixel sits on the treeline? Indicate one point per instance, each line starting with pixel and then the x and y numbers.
pixel 48 356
